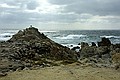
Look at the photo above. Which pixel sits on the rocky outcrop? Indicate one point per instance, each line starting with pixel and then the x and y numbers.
pixel 105 53
pixel 93 44
pixel 29 48
pixel 104 42
pixel 33 42
pixel 87 51
pixel 29 34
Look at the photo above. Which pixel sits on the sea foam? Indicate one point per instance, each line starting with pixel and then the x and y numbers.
pixel 71 36
pixel 5 36
pixel 115 37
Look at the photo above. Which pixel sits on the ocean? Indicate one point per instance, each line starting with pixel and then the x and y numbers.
pixel 71 38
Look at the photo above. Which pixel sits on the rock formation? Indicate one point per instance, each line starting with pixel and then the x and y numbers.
pixel 104 42
pixel 105 53
pixel 30 48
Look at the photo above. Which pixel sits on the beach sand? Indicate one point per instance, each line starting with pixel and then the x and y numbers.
pixel 65 72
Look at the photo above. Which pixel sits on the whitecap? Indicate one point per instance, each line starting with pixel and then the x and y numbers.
pixel 71 36
pixel 5 36
pixel 116 37
pixel 72 46
pixel 48 31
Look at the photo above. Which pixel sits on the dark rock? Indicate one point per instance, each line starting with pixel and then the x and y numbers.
pixel 117 45
pixel 96 53
pixel 2 74
pixel 30 48
pixel 75 48
pixel 104 42
pixel 87 51
pixel 83 44
pixel 78 43
pixel 102 50
pixel 38 43
pixel 28 34
pixel 93 44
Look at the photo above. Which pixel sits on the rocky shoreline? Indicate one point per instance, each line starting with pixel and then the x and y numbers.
pixel 29 49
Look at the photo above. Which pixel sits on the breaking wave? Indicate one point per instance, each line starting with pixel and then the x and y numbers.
pixel 115 37
pixel 5 36
pixel 47 31
pixel 71 36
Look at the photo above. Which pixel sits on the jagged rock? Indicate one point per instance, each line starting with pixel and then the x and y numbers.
pixel 30 48
pixel 104 42
pixel 83 44
pixel 87 51
pixel 93 44
pixel 37 43
pixel 77 48
pixel 28 34
pixel 102 50
pixel 96 53
pixel 116 46
pixel 114 50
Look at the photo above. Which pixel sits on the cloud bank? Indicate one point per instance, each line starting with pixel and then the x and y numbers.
pixel 60 14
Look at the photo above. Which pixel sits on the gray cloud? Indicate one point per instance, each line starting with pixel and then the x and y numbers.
pixel 32 5
pixel 63 2
pixel 68 12
pixel 96 7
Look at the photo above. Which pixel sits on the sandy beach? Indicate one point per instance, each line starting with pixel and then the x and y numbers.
pixel 65 72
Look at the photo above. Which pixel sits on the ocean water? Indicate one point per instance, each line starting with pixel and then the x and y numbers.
pixel 71 38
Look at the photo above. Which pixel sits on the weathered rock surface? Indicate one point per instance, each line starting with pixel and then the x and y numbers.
pixel 93 44
pixel 30 48
pixel 104 42
pixel 104 53
pixel 29 34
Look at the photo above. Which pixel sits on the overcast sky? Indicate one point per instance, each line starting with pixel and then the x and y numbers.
pixel 60 14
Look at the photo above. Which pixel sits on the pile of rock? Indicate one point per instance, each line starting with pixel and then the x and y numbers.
pixel 104 53
pixel 30 48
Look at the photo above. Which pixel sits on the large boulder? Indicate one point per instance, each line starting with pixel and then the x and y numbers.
pixel 104 42
pixel 93 44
